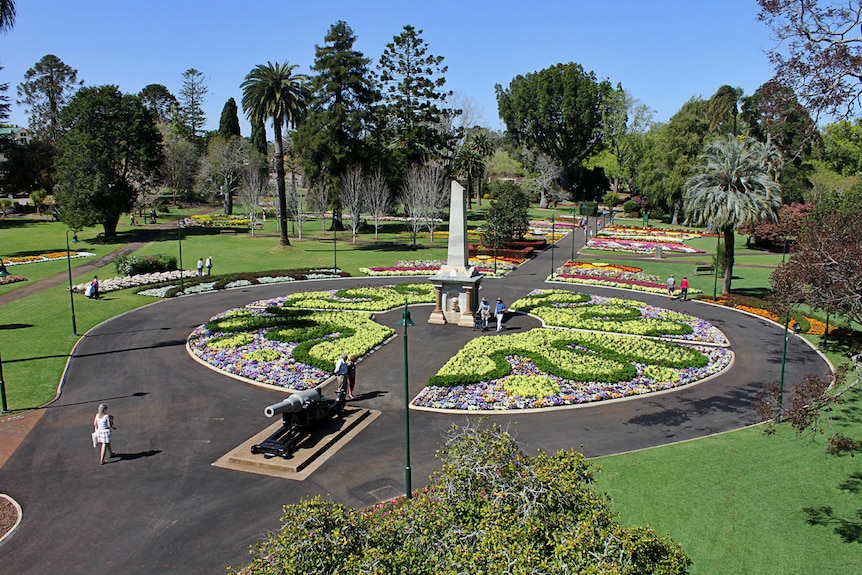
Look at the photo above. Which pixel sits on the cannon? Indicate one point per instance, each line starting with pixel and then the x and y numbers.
pixel 300 413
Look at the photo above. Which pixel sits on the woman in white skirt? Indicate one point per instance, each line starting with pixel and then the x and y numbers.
pixel 103 424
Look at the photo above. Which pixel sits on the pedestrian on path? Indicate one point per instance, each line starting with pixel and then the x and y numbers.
pixel 341 374
pixel 683 288
pixel 499 312
pixel 351 376
pixel 671 282
pixel 209 265
pixel 103 424
pixel 200 267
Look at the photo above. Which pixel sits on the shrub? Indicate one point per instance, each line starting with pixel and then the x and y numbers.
pixel 630 206
pixel 137 265
pixel 589 208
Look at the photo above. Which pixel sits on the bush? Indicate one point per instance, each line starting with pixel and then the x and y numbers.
pixel 589 208
pixel 631 206
pixel 136 265
pixel 611 199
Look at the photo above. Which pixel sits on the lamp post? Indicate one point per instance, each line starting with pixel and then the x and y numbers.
pixel 495 245
pixel 572 234
pixel 786 336
pixel 4 408
pixel 406 322
pixel 715 271
pixel 180 241
pixel 334 247
pixel 553 236
pixel 69 265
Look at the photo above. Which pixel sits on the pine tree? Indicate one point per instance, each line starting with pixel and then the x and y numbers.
pixel 229 123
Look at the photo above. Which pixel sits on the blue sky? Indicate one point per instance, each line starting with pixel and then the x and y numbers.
pixel 661 51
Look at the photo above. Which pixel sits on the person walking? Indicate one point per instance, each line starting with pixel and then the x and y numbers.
pixel 484 313
pixel 351 376
pixel 200 267
pixel 209 265
pixel 499 312
pixel 671 282
pixel 683 288
pixel 103 424
pixel 341 374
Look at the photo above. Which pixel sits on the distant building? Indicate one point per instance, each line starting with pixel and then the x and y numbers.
pixel 18 134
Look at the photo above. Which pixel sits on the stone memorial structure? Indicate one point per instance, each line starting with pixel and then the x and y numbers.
pixel 457 283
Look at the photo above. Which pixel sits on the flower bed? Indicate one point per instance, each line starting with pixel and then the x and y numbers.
pixel 648 234
pixel 295 350
pixel 11 279
pixel 485 265
pixel 377 298
pixel 123 282
pixel 196 284
pixel 46 257
pixel 612 275
pixel 574 367
pixel 639 246
pixel 548 367
pixel 560 308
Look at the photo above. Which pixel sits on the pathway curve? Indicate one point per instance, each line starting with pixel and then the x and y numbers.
pixel 162 507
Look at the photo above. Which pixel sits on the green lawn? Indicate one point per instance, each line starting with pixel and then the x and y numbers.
pixel 739 503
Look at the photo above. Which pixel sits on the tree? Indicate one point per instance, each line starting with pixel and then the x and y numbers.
pixel 229 123
pixel 4 99
pixel 491 508
pixel 558 112
pixel 818 52
pixel 543 181
pixel 252 184
pixel 773 114
pixel 160 101
pixel 28 166
pixel 353 197
pixel 421 192
pixel 223 166
pixel 111 141
pixel 471 161
pixel 507 218
pixel 47 88
pixel 723 110
pixel 377 198
pixel 7 15
pixel 734 187
pixel 671 151
pixel 842 147
pixel 413 87
pixel 181 164
pixel 192 97
pixel 332 137
pixel 273 91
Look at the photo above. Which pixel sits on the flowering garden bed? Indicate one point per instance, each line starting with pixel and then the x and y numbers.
pixel 548 367
pixel 643 240
pixel 613 275
pixel 46 257
pixel 484 263
pixel 282 342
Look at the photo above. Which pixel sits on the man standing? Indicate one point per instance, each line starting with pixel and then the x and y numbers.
pixel 200 267
pixel 499 312
pixel 209 264
pixel 671 282
pixel 341 373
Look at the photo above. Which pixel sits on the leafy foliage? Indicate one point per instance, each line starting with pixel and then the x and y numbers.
pixel 47 88
pixel 489 509
pixel 507 219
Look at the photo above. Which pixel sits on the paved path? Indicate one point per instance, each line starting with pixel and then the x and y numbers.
pixel 163 508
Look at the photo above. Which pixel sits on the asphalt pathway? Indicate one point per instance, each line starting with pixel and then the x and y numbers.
pixel 163 508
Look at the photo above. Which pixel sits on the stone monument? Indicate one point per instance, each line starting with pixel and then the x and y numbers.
pixel 457 283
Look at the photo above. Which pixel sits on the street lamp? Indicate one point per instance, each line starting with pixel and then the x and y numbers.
pixel 786 336
pixel 4 408
pixel 406 322
pixel 334 247
pixel 180 241
pixel 69 265
pixel 495 245
pixel 553 236
pixel 715 271
pixel 572 234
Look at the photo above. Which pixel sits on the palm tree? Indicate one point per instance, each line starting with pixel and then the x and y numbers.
pixel 7 15
pixel 469 163
pixel 734 188
pixel 273 91
pixel 482 146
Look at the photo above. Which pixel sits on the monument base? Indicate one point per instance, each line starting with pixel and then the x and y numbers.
pixel 457 299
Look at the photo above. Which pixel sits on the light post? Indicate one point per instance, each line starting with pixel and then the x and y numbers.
pixel 334 247
pixel 572 234
pixel 553 236
pixel 495 245
pixel 180 241
pixel 715 271
pixel 786 336
pixel 4 408
pixel 69 265
pixel 406 322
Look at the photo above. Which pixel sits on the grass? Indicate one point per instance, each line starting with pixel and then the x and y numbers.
pixel 739 503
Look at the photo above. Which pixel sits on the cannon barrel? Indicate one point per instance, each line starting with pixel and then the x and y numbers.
pixel 291 404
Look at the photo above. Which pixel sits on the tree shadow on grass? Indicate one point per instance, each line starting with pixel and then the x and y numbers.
pixel 849 529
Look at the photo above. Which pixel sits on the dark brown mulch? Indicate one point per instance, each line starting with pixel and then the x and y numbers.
pixel 8 516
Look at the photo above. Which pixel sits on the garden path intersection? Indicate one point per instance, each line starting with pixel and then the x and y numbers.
pixel 163 507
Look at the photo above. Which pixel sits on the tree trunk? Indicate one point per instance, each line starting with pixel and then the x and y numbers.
pixel 110 227
pixel 729 240
pixel 677 204
pixel 279 180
